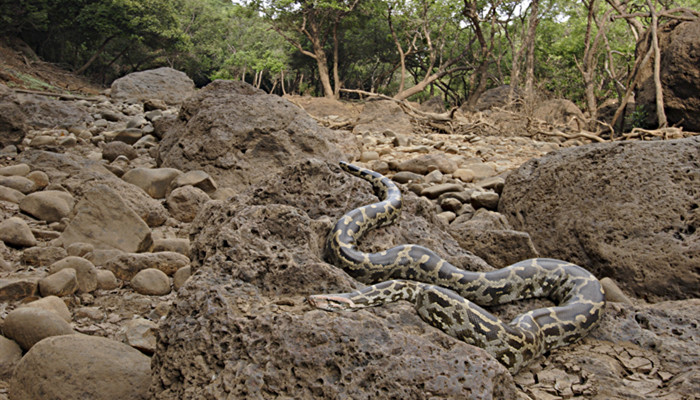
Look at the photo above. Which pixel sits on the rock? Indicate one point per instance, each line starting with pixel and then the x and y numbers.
pixel 434 177
pixel 368 156
pixel 406 177
pixel 464 175
pixel 617 209
pixel 40 256
pixel 433 192
pixel 81 367
pixel 10 354
pixel 45 112
pixel 613 292
pixel 15 232
pixel 11 195
pixel 128 136
pixel 450 204
pixel 19 183
pixel 434 104
pixel 559 112
pixel 15 289
pixel 379 116
pixel 196 178
pixel 48 205
pixel 181 276
pixel 29 325
pixel 153 105
pixel 85 270
pixel 13 122
pixel 20 169
pixel 177 245
pixel 488 200
pixel 184 202
pixel 103 220
pixel 284 221
pixel 112 150
pixel 106 280
pixel 495 183
pixel 62 283
pixel 240 135
pixel 154 181
pixel 488 235
pixel 447 217
pixel 166 84
pixel 79 249
pixel 680 75
pixel 140 334
pixel 496 97
pixel 152 282
pixel 79 176
pixel 53 304
pixel 40 179
pixel 125 266
pixel 480 170
pixel 425 163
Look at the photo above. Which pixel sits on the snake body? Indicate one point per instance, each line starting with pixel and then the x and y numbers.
pixel 450 298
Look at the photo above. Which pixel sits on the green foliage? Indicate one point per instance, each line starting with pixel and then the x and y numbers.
pixel 637 119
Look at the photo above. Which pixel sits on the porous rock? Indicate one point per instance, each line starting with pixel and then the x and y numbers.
pixel 28 325
pixel 81 367
pixel 617 209
pixel 240 135
pixel 166 84
pixel 104 220
pixel 257 256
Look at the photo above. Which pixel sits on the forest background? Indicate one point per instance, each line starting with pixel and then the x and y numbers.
pixel 407 49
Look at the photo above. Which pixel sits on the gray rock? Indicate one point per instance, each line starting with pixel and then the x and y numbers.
pixel 151 281
pixel 185 202
pixel 127 136
pixel 13 122
pixel 433 192
pixel 154 181
pixel 29 325
pixel 617 209
pixel 378 116
pixel 62 283
pixel 17 289
pixel 125 266
pixel 15 232
pixel 166 84
pixel 20 183
pixel 450 204
pixel 406 177
pixel 11 195
pixel 112 150
pixel 82 367
pixel 48 205
pixel 103 220
pixel 240 135
pixel 85 270
pixel 487 200
pixel 10 354
pixel 20 169
pixel 45 112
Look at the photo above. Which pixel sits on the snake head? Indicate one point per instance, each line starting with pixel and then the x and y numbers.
pixel 330 302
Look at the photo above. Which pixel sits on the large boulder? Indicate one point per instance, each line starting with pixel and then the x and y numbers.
pixel 167 84
pixel 240 135
pixel 45 112
pixel 379 116
pixel 629 211
pixel 13 125
pixel 680 75
pixel 241 327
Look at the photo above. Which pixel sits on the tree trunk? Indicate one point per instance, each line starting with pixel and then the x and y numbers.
pixel 95 55
pixel 530 42
pixel 660 113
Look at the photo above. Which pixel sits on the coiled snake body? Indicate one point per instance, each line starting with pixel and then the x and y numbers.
pixel 447 297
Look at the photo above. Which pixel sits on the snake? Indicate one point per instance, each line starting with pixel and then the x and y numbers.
pixel 452 299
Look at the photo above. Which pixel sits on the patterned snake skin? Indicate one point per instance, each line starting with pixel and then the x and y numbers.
pixel 447 297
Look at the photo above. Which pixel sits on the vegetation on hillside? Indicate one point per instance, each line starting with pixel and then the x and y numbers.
pixel 583 51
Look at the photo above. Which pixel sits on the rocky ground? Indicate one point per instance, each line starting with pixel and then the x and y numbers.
pixel 109 203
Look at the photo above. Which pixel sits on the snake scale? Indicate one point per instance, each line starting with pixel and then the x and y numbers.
pixel 450 298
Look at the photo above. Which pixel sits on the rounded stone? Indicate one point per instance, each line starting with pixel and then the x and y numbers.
pixel 81 367
pixel 17 169
pixel 10 354
pixel 15 232
pixel 28 325
pixel 40 179
pixel 20 183
pixel 48 205
pixel 181 276
pixel 51 303
pixel 62 283
pixel 106 280
pixel 152 282
pixel 185 202
pixel 85 270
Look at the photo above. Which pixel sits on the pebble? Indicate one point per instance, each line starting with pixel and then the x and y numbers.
pixel 29 325
pixel 151 281
pixel 406 177
pixel 11 195
pixel 185 202
pixel 106 280
pixel 433 192
pixel 140 334
pixel 112 150
pixel 487 200
pixel 85 270
pixel 613 292
pixel 464 175
pixel 19 183
pixel 367 156
pixel 181 276
pixel 154 181
pixel 62 283
pixel 196 178
pixel 16 169
pixel 40 179
pixel 14 231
